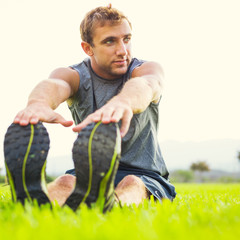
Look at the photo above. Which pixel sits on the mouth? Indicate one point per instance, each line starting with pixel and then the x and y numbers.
pixel 120 62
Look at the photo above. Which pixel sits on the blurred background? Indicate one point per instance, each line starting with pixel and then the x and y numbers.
pixel 196 42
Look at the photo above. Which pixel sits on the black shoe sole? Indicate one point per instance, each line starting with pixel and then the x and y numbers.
pixel 25 151
pixel 96 154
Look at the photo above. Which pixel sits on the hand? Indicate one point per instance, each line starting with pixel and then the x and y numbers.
pixel 113 111
pixel 38 111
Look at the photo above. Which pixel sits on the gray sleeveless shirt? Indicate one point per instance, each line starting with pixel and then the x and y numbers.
pixel 140 146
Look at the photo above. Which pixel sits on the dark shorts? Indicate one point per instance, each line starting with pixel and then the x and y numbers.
pixel 157 185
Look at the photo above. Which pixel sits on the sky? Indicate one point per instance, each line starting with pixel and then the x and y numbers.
pixel 196 42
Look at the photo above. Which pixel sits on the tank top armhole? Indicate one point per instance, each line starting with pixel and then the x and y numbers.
pixel 136 63
pixel 71 101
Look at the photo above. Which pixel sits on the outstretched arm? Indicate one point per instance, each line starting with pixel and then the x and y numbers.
pixel 47 96
pixel 144 87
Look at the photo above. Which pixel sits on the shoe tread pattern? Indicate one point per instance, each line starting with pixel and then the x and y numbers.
pixel 103 145
pixel 15 146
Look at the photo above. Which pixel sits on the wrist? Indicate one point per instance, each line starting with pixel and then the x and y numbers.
pixel 37 101
pixel 122 100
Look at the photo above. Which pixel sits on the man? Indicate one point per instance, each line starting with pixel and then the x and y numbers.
pixel 108 88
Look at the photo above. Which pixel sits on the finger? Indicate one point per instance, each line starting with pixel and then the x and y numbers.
pixel 17 118
pixel 83 124
pixel 67 123
pixel 60 119
pixel 107 115
pixel 96 116
pixel 26 118
pixel 125 123
pixel 117 115
pixel 79 127
pixel 34 120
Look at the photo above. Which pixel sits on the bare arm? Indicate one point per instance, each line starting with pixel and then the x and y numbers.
pixel 47 96
pixel 144 87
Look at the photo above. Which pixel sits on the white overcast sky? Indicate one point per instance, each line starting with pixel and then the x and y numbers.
pixel 196 42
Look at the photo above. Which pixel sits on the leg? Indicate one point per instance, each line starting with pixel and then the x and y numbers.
pixel 60 189
pixel 131 190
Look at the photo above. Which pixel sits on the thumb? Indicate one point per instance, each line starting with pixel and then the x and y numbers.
pixel 67 123
pixel 62 121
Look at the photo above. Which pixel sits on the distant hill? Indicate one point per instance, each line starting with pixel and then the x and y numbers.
pixel 219 154
pixel 207 176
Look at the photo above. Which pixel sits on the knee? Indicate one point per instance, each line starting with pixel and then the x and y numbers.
pixel 131 180
pixel 131 190
pixel 66 181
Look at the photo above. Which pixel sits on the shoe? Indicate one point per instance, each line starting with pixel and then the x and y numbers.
pixel 96 155
pixel 25 151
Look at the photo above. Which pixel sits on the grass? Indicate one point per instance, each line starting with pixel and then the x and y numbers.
pixel 200 211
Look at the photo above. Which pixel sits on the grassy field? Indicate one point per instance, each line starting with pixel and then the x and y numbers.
pixel 200 211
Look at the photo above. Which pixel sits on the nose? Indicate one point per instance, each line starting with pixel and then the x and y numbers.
pixel 121 49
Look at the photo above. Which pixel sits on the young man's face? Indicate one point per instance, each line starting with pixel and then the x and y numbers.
pixel 111 53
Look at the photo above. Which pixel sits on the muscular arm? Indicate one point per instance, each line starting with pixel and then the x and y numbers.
pixel 144 87
pixel 47 96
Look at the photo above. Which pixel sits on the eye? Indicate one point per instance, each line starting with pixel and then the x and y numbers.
pixel 109 41
pixel 127 39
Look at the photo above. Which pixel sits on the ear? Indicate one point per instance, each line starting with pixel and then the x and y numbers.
pixel 87 48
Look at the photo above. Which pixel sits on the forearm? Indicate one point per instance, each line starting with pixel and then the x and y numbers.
pixel 51 92
pixel 139 92
pixel 47 96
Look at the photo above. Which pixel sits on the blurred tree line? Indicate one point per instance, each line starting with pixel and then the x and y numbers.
pixel 199 171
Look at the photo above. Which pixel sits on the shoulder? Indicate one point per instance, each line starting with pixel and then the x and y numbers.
pixel 79 67
pixel 148 68
pixel 68 75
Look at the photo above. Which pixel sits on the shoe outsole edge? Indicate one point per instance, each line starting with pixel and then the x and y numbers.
pixel 25 152
pixel 96 154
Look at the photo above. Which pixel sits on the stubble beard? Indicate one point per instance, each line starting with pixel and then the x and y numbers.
pixel 117 71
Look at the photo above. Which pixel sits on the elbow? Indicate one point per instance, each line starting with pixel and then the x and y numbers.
pixel 156 86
